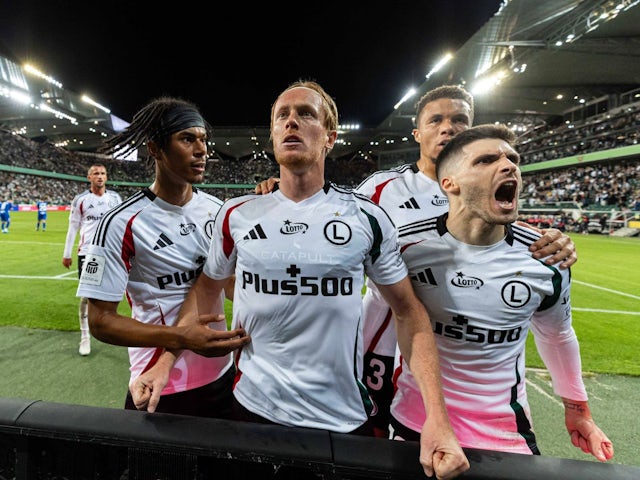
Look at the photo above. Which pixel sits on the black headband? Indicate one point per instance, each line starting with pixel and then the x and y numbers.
pixel 177 119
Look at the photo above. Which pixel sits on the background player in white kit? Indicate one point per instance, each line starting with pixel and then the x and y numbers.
pixel 472 269
pixel 87 209
pixel 299 255
pixel 152 247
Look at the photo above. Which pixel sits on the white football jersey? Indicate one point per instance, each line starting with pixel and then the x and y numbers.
pixel 299 275
pixel 408 196
pixel 482 301
pixel 153 251
pixel 87 209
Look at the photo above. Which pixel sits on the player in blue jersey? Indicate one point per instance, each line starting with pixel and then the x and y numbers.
pixel 5 215
pixel 299 255
pixel 42 206
pixel 472 269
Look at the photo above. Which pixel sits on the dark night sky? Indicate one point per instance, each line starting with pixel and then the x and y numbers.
pixel 234 60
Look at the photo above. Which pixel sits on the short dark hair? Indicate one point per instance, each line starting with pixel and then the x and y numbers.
pixel 445 91
pixel 464 138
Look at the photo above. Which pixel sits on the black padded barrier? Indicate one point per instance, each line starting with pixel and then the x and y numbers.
pixel 44 440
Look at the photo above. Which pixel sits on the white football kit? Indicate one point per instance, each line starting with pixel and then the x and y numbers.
pixel 482 301
pixel 299 275
pixel 153 251
pixel 408 196
pixel 87 209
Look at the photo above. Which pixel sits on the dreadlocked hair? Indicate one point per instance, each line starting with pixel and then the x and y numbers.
pixel 147 125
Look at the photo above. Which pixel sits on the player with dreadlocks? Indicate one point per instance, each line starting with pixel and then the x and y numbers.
pixel 152 247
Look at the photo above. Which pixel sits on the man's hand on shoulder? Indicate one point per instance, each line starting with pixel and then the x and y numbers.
pixel 554 244
pixel 266 186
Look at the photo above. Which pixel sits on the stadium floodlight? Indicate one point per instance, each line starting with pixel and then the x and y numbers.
pixel 409 94
pixel 34 71
pixel 485 84
pixel 44 106
pixel 90 101
pixel 15 95
pixel 441 63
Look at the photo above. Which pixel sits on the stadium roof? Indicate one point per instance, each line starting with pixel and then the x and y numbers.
pixel 529 53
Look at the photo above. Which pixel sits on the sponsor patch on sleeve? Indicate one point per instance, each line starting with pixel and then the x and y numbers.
pixel 93 270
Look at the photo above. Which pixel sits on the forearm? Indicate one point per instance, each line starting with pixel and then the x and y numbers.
pixel 111 327
pixel 561 356
pixel 576 409
pixel 69 241
pixel 419 350
pixel 203 298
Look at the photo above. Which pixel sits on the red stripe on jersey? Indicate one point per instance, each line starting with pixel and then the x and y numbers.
pixel 128 248
pixel 156 355
pixel 375 198
pixel 227 239
pixel 380 331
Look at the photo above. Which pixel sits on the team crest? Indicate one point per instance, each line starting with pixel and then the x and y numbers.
pixel 337 232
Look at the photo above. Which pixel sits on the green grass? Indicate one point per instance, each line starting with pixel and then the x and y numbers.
pixel 605 298
pixel 36 291
pixel 39 336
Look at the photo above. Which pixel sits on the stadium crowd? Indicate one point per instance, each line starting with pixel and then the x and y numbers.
pixel 612 130
pixel 610 184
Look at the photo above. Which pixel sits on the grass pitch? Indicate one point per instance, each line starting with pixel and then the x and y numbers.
pixel 39 336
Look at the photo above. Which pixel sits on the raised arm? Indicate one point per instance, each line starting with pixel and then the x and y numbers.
pixel 440 452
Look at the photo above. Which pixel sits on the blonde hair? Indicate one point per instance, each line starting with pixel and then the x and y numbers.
pixel 329 105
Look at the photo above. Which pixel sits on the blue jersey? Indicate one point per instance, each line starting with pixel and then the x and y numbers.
pixel 5 209
pixel 42 210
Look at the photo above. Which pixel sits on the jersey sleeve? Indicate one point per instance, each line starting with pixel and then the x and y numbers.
pixel 384 264
pixel 105 273
pixel 221 260
pixel 367 187
pixel 75 217
pixel 557 342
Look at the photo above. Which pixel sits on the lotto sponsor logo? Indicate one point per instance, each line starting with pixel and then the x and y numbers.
pixel 439 201
pixel 290 228
pixel 187 228
pixel 463 281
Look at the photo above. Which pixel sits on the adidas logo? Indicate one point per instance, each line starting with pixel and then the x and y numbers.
pixel 255 233
pixel 411 203
pixel 425 277
pixel 162 242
